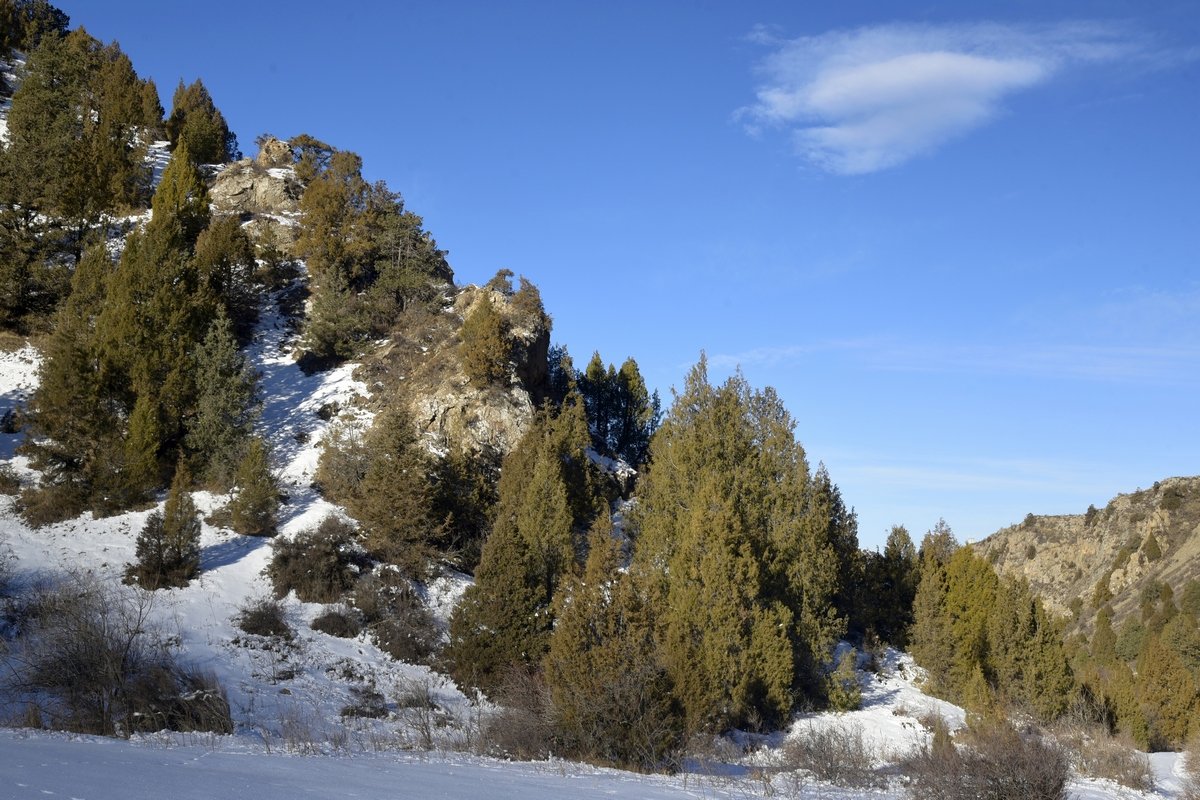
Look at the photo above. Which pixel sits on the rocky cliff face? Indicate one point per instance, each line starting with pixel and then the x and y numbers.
pixel 420 366
pixel 1149 535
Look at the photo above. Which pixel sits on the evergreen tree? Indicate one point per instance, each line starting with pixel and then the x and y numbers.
pixel 546 495
pixel 485 348
pixel 196 123
pixel 257 502
pixel 168 547
pixel 226 405
pixel 225 263
pixel 733 552
pixel 931 639
pixel 1167 695
pixel 393 502
pixel 612 698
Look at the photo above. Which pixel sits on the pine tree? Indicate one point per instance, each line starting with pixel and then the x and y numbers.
pixel 254 508
pixel 393 502
pixel 225 263
pixel 612 698
pixel 931 638
pixel 196 123
pixel 484 348
pixel 225 405
pixel 168 547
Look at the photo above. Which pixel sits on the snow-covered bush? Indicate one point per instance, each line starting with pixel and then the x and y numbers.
pixel 265 617
pixel 839 754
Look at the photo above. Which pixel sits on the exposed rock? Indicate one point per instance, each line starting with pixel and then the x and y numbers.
pixel 421 365
pixel 274 153
pixel 1065 557
pixel 246 187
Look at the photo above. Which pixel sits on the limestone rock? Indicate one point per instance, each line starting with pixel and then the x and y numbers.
pixel 245 187
pixel 274 153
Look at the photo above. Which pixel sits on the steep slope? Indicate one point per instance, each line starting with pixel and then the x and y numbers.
pixel 1151 535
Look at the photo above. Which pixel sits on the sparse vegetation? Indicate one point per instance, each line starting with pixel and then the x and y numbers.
pixel 319 564
pixel 839 754
pixel 265 617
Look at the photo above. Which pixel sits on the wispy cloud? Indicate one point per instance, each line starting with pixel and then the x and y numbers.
pixel 864 100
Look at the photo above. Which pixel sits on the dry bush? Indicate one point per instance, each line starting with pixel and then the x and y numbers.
pixel 319 564
pixel 1191 770
pixel 1096 753
pixel 341 622
pixel 44 505
pixel 839 754
pixel 265 617
pixel 523 727
pixel 368 703
pixel 396 618
pixel 88 659
pixel 10 482
pixel 996 762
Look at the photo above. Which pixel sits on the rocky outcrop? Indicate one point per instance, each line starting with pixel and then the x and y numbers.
pixel 420 366
pixel 1149 535
pixel 247 188
pixel 273 153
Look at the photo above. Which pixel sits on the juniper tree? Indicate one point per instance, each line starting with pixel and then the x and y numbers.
pixel 733 552
pixel 484 347
pixel 196 123
pixel 393 501
pixel 225 408
pixel 612 698
pixel 168 547
pixel 547 496
pixel 254 508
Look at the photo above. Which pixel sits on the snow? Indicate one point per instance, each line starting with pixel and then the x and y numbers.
pixel 286 701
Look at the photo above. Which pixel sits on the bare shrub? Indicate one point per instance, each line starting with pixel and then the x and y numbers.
pixel 1191 769
pixel 522 728
pixel 265 617
pixel 368 703
pixel 88 659
pixel 1095 752
pixel 996 762
pixel 839 754
pixel 339 621
pixel 44 505
pixel 319 564
pixel 10 482
pixel 396 618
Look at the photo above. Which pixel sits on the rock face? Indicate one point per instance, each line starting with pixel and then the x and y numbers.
pixel 1149 535
pixel 246 187
pixel 421 367
pixel 274 153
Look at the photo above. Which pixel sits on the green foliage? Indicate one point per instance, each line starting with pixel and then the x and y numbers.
pixel 168 547
pixel 368 258
pixel 225 408
pixel 611 696
pixel 25 23
pixel 734 554
pixel 197 124
pixel 845 693
pixel 254 509
pixel 319 564
pixel 891 586
pixel 622 415
pixel 984 639
pixel 547 494
pixel 485 348
pixel 225 263
pixel 1150 548
pixel 462 500
pixel 1167 695
pixel 393 501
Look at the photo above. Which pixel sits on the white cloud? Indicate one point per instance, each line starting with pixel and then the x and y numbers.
pixel 864 100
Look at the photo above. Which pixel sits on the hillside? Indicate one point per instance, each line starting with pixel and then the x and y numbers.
pixel 1147 537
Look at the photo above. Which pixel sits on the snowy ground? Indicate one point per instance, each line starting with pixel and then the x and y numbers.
pixel 287 702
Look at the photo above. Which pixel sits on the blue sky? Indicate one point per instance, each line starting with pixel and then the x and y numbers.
pixel 960 239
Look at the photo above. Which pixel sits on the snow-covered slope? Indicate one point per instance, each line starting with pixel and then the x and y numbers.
pixel 287 700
